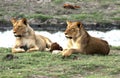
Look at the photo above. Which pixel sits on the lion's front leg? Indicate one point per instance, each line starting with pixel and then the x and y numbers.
pixel 17 50
pixel 33 49
pixel 68 52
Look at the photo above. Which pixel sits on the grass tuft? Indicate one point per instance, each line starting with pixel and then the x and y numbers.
pixel 39 16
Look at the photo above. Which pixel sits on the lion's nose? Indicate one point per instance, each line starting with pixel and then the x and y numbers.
pixel 65 33
pixel 14 32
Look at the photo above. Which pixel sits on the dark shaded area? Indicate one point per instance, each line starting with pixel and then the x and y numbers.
pixel 5 26
pixel 24 47
pixel 62 26
pixel 9 57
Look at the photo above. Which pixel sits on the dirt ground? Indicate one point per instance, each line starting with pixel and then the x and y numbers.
pixel 117 52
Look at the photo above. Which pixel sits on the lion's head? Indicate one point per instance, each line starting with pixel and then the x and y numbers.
pixel 19 27
pixel 73 29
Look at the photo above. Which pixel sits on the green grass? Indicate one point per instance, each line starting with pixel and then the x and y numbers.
pixel 96 16
pixel 43 17
pixel 46 64
pixel 115 48
pixel 90 11
pixel 116 18
pixel 61 1
pixel 88 17
pixel 17 14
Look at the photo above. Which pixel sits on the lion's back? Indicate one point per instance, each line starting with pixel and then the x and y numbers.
pixel 97 46
pixel 43 42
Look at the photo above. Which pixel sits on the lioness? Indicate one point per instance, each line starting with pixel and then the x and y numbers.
pixel 26 39
pixel 79 41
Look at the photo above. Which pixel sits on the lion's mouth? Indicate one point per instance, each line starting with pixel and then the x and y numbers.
pixel 68 37
pixel 18 35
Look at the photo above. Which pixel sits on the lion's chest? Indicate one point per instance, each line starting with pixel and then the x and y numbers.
pixel 74 44
pixel 26 42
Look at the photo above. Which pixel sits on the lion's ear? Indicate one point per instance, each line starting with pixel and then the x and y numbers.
pixel 79 24
pixel 13 20
pixel 68 22
pixel 24 21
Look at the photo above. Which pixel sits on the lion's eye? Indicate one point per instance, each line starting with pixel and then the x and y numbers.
pixel 19 26
pixel 73 29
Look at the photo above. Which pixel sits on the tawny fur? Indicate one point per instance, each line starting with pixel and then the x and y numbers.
pixel 26 39
pixel 79 41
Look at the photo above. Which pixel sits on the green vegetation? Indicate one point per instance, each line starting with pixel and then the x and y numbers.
pixel 61 1
pixel 116 18
pixel 90 11
pixel 43 17
pixel 115 48
pixel 18 15
pixel 91 17
pixel 58 1
pixel 38 64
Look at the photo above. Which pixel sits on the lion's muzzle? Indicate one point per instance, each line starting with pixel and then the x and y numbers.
pixel 68 37
pixel 18 35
